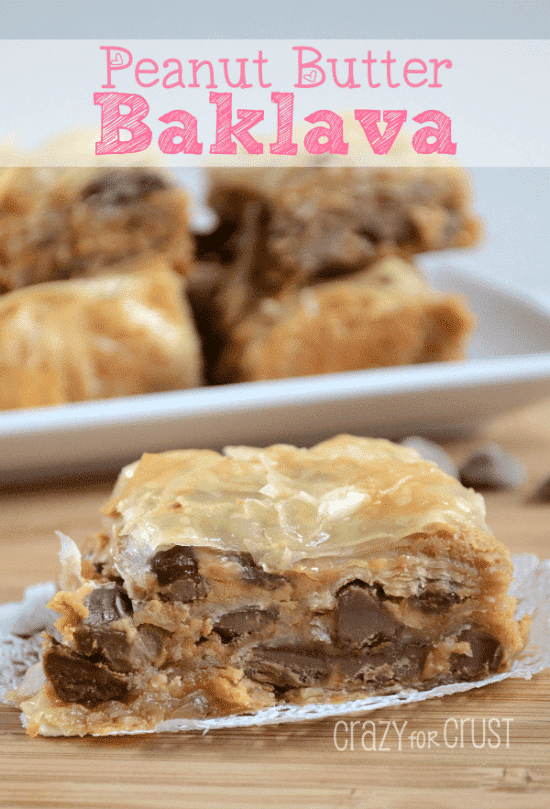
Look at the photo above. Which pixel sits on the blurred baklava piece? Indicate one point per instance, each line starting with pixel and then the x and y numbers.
pixel 93 338
pixel 294 246
pixel 384 316
pixel 58 224
pixel 94 301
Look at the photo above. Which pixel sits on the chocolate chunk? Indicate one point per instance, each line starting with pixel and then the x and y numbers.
pixel 360 619
pixel 437 601
pixel 152 638
pixel 108 604
pixel 303 666
pixel 241 622
pixel 412 653
pixel 111 646
pixel 176 563
pixel 390 662
pixel 76 679
pixel 407 233
pixel 404 665
pixel 186 590
pixel 366 665
pixel 178 569
pixel 122 187
pixel 490 468
pixel 485 658
pixel 216 246
pixel 289 666
pixel 253 574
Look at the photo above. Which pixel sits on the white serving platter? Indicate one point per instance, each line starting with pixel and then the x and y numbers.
pixel 508 367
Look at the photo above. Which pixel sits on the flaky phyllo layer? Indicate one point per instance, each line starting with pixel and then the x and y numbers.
pixel 229 583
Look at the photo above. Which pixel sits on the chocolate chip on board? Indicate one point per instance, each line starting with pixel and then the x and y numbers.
pixel 542 492
pixel 490 468
pixel 431 451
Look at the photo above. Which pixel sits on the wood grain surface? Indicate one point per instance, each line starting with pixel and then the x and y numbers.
pixel 432 755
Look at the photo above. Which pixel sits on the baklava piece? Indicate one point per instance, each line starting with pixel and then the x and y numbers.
pixel 301 225
pixel 384 316
pixel 20 192
pixel 226 584
pixel 87 221
pixel 93 338
pixel 293 242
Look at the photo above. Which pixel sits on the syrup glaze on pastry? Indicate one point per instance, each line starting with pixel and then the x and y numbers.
pixel 229 583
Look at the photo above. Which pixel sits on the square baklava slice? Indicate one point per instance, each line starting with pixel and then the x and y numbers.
pixel 314 222
pixel 119 334
pixel 384 316
pixel 289 281
pixel 63 223
pixel 229 583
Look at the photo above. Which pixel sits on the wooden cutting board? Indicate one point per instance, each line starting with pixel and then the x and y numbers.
pixel 485 748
